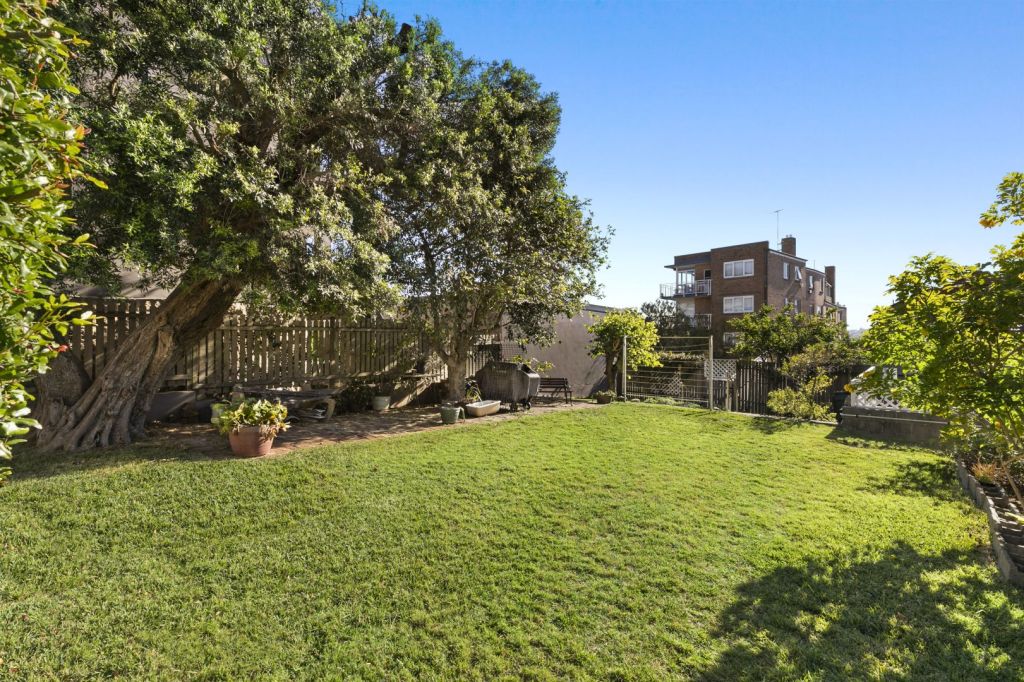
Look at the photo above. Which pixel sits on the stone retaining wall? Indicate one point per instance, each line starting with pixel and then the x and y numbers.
pixel 899 425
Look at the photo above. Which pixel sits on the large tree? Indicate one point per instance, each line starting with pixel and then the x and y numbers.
pixel 491 236
pixel 245 146
pixel 40 149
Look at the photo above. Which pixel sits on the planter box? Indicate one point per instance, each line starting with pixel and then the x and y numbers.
pixel 1005 553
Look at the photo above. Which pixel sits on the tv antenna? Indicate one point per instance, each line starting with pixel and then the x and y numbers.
pixel 777 212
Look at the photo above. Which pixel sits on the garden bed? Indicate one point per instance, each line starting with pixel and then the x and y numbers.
pixel 1007 535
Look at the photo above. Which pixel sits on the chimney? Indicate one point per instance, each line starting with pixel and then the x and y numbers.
pixel 830 277
pixel 789 245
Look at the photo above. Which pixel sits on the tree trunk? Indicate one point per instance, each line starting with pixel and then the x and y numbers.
pixel 113 410
pixel 456 363
pixel 58 389
pixel 610 372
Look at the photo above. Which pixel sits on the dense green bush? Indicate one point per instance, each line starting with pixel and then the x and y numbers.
pixel 39 156
pixel 804 401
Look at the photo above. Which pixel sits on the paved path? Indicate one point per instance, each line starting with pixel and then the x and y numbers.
pixel 364 425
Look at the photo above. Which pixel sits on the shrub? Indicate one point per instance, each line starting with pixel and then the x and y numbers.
pixel 661 400
pixel 39 159
pixel 985 472
pixel 802 402
pixel 355 397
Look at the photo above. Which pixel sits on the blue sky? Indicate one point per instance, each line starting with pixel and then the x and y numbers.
pixel 881 129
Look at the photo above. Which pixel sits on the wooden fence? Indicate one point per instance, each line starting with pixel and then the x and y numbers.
pixel 754 381
pixel 260 353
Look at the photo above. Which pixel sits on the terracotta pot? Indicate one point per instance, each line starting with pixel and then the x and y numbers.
pixel 247 442
pixel 603 399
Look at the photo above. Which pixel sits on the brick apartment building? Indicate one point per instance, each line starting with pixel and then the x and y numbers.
pixel 724 283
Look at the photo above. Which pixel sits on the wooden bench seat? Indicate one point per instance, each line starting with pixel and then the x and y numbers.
pixel 555 386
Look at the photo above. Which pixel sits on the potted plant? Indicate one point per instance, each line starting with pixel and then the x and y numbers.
pixel 604 397
pixel 384 387
pixel 252 425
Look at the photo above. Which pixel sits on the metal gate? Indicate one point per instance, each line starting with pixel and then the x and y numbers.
pixel 686 375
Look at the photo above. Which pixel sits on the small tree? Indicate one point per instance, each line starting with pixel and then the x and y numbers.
pixel 642 340
pixel 956 332
pixel 39 155
pixel 776 336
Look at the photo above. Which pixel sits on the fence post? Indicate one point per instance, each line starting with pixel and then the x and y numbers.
pixel 711 372
pixel 625 346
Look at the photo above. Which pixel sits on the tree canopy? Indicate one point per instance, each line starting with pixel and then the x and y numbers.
pixel 778 335
pixel 244 142
pixel 490 237
pixel 40 146
pixel 669 320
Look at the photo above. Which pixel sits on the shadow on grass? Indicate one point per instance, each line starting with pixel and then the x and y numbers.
pixel 30 463
pixel 770 425
pixel 932 478
pixel 865 617
pixel 844 438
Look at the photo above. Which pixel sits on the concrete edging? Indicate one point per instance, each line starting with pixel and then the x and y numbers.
pixel 1008 567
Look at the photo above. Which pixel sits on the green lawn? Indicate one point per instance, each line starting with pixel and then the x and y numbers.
pixel 628 542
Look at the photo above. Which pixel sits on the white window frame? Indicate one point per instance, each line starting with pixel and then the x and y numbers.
pixel 785 270
pixel 730 339
pixel 810 284
pixel 734 305
pixel 796 273
pixel 746 268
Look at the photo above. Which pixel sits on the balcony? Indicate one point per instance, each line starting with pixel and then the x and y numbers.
pixel 698 287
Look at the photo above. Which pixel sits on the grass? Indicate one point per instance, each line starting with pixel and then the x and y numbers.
pixel 629 542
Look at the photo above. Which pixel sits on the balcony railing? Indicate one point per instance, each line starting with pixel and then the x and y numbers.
pixel 698 287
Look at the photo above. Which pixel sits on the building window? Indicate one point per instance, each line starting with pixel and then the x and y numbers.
pixel 785 270
pixel 810 284
pixel 797 305
pixel 730 339
pixel 796 272
pixel 738 304
pixel 739 268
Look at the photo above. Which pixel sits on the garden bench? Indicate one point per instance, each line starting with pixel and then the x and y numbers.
pixel 555 386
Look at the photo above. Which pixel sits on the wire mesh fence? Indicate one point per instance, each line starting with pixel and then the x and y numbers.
pixel 685 374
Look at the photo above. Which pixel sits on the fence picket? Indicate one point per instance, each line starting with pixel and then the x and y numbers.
pixel 245 350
